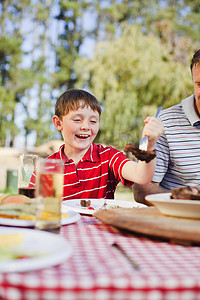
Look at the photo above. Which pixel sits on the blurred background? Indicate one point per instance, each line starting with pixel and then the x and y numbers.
pixel 132 55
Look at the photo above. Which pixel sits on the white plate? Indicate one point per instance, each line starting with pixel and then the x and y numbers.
pixel 54 249
pixel 97 204
pixel 175 207
pixel 72 218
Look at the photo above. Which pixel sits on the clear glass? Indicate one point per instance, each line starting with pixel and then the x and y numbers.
pixel 49 192
pixel 27 164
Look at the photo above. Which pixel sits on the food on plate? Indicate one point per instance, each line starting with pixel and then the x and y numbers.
pixel 10 198
pixel 7 254
pixel 186 192
pixel 11 240
pixel 113 206
pixel 17 206
pixel 8 244
pixel 10 247
pixel 140 154
pixel 85 203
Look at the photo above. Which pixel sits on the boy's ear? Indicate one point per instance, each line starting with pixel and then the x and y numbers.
pixel 57 123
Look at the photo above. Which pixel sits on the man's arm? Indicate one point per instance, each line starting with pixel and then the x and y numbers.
pixel 141 190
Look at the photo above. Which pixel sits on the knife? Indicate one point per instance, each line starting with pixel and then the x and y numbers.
pixel 131 261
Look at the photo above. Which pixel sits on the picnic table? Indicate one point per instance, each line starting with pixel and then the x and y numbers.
pixel 97 270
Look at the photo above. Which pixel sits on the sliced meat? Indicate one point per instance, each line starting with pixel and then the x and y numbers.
pixel 140 154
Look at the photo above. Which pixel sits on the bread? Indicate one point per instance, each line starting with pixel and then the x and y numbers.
pixel 13 206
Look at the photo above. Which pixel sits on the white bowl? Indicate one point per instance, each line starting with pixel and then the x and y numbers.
pixel 175 207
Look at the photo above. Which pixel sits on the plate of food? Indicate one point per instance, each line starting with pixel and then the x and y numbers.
pixel 89 206
pixel 181 202
pixel 23 249
pixel 19 210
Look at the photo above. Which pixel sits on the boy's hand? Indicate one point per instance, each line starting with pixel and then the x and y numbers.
pixel 153 129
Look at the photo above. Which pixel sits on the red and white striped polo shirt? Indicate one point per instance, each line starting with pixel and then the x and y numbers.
pixel 96 175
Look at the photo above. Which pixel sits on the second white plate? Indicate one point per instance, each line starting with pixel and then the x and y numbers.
pixel 175 207
pixel 97 204
pixel 72 218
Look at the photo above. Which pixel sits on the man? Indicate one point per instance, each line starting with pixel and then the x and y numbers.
pixel 178 150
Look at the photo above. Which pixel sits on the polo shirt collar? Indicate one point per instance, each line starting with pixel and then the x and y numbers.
pixel 62 154
pixel 188 108
pixel 91 155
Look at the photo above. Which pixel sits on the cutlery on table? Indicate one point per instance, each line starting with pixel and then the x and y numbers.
pixel 132 262
pixel 144 141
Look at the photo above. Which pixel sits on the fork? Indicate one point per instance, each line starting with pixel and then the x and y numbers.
pixel 144 141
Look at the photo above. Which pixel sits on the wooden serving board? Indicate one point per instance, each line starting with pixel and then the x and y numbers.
pixel 149 221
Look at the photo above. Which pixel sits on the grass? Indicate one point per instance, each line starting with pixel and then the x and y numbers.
pixel 124 193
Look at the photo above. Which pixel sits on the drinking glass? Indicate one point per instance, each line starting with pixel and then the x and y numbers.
pixel 27 164
pixel 49 192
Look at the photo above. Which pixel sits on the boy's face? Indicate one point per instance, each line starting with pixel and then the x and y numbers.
pixel 79 129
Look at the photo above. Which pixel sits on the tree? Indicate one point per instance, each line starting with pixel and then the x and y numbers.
pixel 70 40
pixel 11 80
pixel 28 92
pixel 40 121
pixel 131 76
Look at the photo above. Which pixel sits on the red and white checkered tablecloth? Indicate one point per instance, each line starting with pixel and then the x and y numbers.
pixel 98 271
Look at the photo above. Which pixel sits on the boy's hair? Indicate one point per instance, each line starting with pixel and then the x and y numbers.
pixel 73 99
pixel 195 59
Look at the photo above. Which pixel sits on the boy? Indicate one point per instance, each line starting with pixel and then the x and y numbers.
pixel 93 171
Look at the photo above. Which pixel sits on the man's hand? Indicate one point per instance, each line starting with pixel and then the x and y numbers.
pixel 141 190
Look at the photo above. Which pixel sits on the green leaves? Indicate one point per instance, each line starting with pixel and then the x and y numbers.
pixel 131 76
pixel 141 60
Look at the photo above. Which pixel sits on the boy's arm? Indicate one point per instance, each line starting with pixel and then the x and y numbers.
pixel 141 190
pixel 143 172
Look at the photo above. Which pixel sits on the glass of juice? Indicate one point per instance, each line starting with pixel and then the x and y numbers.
pixel 49 192
pixel 27 164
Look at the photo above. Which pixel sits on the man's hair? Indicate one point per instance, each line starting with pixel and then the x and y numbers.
pixel 195 59
pixel 73 99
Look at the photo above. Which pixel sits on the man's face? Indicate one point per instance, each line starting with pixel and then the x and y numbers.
pixel 196 82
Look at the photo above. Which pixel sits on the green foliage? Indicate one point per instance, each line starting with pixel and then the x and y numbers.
pixel 71 40
pixel 131 76
pixel 144 64
pixel 10 57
